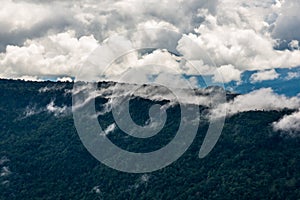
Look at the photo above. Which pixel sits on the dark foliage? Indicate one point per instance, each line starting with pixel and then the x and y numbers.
pixel 48 161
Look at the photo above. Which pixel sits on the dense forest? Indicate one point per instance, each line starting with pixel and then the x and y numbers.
pixel 42 157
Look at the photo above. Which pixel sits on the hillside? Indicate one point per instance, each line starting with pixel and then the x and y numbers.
pixel 42 157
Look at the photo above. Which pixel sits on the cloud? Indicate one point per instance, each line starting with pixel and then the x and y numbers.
pixel 5 171
pixel 51 88
pixel 227 73
pixel 287 24
pixel 3 160
pixel 97 189
pixel 149 64
pixel 31 110
pixel 239 34
pixel 175 95
pixel 145 178
pixel 294 44
pixel 262 99
pixel 264 76
pixel 56 55
pixel 111 128
pixel 56 110
pixel 65 79
pixel 289 123
pixel 30 20
pixel 292 75
pixel 29 78
pixel 101 18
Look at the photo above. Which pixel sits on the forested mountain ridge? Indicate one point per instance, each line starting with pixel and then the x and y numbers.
pixel 42 157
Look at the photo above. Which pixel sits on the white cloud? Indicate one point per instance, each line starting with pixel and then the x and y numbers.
pixel 29 78
pixel 51 88
pixel 65 79
pixel 153 63
pixel 292 75
pixel 97 189
pixel 157 24
pixel 239 34
pixel 194 82
pixel 30 20
pixel 227 73
pixel 111 128
pixel 22 19
pixel 145 178
pixel 262 99
pixel 101 18
pixel 205 97
pixel 294 44
pixel 287 24
pixel 264 76
pixel 56 110
pixel 52 55
pixel 5 171
pixel 31 110
pixel 289 123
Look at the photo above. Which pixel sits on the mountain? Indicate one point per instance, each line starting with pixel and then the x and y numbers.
pixel 42 156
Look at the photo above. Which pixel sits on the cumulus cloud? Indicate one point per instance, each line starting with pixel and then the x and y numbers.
pixel 294 44
pixel 65 79
pixel 262 99
pixel 289 123
pixel 239 34
pixel 30 20
pixel 264 76
pixel 150 64
pixel 287 24
pixel 227 73
pixel 57 54
pixel 100 18
pixel 236 35
pixel 29 78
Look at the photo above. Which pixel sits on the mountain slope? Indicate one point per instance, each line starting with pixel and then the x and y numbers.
pixel 42 157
